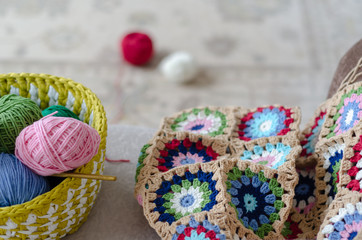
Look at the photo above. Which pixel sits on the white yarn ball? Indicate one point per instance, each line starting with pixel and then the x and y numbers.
pixel 179 67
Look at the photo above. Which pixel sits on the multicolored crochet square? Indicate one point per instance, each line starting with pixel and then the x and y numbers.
pixel 344 218
pixel 330 155
pixel 260 198
pixel 266 122
pixel 310 136
pixel 345 111
pixel 204 225
pixel 351 166
pixel 302 222
pixel 273 152
pixel 175 150
pixel 196 184
pixel 212 121
pixel 181 192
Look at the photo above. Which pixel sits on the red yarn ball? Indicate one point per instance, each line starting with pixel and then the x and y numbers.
pixel 137 48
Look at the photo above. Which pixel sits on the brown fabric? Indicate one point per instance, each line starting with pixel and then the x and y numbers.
pixel 348 61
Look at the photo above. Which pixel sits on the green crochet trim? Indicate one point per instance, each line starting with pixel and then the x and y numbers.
pixel 334 175
pixel 207 112
pixel 141 158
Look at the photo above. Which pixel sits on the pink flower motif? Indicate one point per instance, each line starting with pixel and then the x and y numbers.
pixel 355 227
pixel 350 113
pixel 189 158
pixel 198 125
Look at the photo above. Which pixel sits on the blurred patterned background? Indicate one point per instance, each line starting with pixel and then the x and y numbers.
pixel 250 52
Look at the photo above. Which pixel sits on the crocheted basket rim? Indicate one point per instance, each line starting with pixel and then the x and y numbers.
pixel 98 122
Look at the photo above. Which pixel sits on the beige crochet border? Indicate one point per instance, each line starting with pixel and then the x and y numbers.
pixel 220 146
pixel 308 223
pixel 321 185
pixel 240 112
pixel 332 111
pixel 218 219
pixel 344 197
pixel 348 153
pixel 289 164
pixel 162 228
pixel 311 160
pixel 228 111
pixel 287 182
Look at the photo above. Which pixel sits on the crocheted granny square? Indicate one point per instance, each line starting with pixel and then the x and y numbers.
pixel 273 152
pixel 260 198
pixel 302 222
pixel 310 136
pixel 181 192
pixel 344 217
pixel 345 111
pixel 203 225
pixel 330 154
pixel 212 121
pixel 175 150
pixel 351 166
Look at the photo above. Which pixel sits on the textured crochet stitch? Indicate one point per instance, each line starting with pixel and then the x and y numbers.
pixel 195 230
pixel 185 195
pixel 272 155
pixel 265 122
pixel 255 198
pixel 201 121
pixel 349 112
pixel 258 178
pixel 177 153
pixel 311 138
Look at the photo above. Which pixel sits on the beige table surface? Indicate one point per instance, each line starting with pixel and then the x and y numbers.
pixel 116 214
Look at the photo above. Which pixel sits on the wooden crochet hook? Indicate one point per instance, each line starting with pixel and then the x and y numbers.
pixel 87 176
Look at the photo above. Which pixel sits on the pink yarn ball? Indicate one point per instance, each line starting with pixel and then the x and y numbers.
pixel 56 144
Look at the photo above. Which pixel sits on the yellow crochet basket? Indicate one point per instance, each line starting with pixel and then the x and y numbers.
pixel 65 208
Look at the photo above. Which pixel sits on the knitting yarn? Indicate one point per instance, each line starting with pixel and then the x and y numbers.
pixel 137 48
pixel 179 67
pixel 16 113
pixel 56 144
pixel 61 112
pixel 18 184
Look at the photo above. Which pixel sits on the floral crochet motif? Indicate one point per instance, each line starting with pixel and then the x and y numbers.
pixel 256 199
pixel 265 122
pixel 332 163
pixel 355 172
pixel 346 224
pixel 185 195
pixel 349 112
pixel 178 153
pixel 310 139
pixel 271 155
pixel 304 198
pixel 195 230
pixel 201 121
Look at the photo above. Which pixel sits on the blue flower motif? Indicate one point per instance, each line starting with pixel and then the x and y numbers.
pixel 182 196
pixel 250 202
pixel 207 231
pixel 312 138
pixel 265 124
pixel 256 199
pixel 272 156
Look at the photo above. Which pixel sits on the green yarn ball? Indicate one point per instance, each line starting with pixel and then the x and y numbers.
pixel 62 112
pixel 16 113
